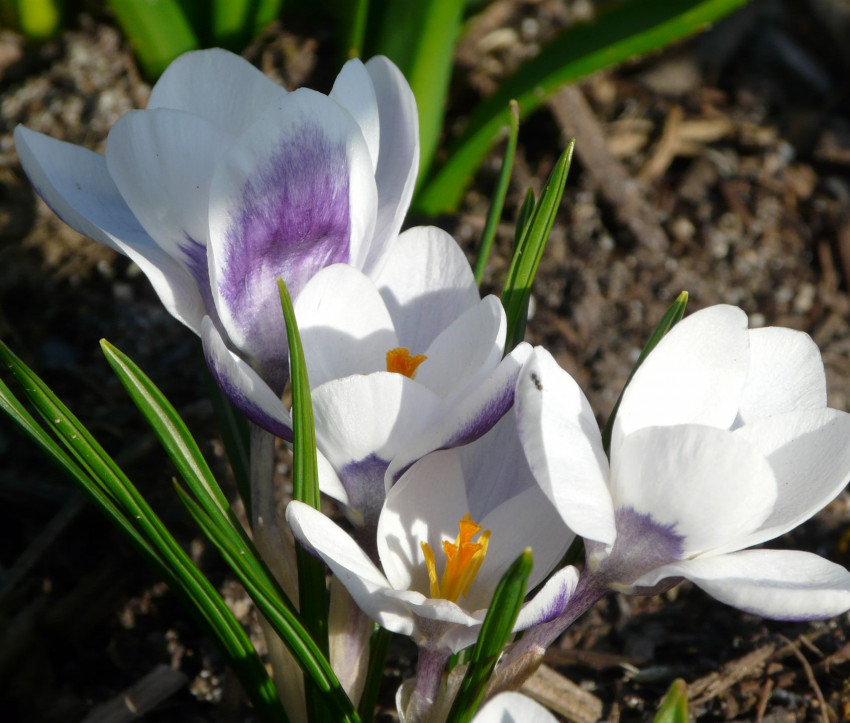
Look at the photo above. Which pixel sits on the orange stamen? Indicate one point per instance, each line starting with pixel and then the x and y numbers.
pixel 463 560
pixel 400 361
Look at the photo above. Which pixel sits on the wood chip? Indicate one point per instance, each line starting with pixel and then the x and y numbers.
pixel 553 690
pixel 717 683
pixel 161 683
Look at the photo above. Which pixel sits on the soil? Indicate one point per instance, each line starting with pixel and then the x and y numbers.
pixel 736 148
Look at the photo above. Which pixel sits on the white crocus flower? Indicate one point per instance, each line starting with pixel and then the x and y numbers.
pixel 448 531
pixel 723 441
pixel 226 182
pixel 513 708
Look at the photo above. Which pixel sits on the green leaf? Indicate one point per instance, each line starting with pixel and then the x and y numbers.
pixel 235 22
pixel 355 19
pixel 112 492
pixel 671 317
pixel 529 250
pixel 498 202
pixel 37 19
pixel 213 514
pixel 524 216
pixel 628 30
pixel 378 647
pixel 495 633
pixel 674 707
pixel 158 31
pixel 312 588
pixel 419 37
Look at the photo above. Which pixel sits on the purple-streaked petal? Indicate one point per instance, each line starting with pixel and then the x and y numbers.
pixel 354 91
pixel 292 195
pixel 470 418
pixel 513 708
pixel 243 386
pixel 786 374
pixel 362 421
pixel 465 354
pixel 695 375
pixel 776 584
pixel 217 85
pixel 710 485
pixel 350 564
pixel 76 185
pixel 345 326
pixel 810 456
pixel 563 446
pixel 398 159
pixel 427 283
pixel 425 505
pixel 550 601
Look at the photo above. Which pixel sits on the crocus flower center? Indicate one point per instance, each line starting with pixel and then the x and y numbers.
pixel 463 560
pixel 400 361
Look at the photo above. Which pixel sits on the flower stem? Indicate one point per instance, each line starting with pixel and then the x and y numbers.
pixel 429 674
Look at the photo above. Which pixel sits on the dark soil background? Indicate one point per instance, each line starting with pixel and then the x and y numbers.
pixel 720 167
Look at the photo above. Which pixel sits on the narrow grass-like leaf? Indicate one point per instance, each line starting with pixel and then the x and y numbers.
pixel 628 30
pixel 671 317
pixel 420 38
pixel 267 597
pixel 494 635
pixel 529 250
pixel 158 31
pixel 312 589
pixel 109 488
pixel 355 23
pixel 524 216
pixel 674 707
pixel 213 514
pixel 378 647
pixel 499 193
pixel 235 22
pixel 36 19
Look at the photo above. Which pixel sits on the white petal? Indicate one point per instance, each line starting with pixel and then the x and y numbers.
pixel 776 584
pixel 217 85
pixel 550 601
pixel 161 162
pixel 345 326
pixel 440 623
pixel 76 185
pixel 426 283
pixel 350 564
pixel 467 352
pixel 711 486
pixel 293 194
pixel 243 386
pixel 563 445
pixel 469 418
pixel 354 91
pixel 810 457
pixel 362 422
pixel 695 375
pixel 527 520
pixel 398 160
pixel 786 374
pixel 513 708
pixel 425 505
pixel 329 481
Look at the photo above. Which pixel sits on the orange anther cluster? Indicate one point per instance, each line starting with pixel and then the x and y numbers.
pixel 400 361
pixel 463 560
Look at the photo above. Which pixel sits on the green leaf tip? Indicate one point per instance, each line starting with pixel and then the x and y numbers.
pixel 674 706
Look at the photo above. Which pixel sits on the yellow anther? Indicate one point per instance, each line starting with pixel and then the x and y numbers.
pixel 400 361
pixel 463 560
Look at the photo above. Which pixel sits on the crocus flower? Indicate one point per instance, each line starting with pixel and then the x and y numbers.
pixel 401 363
pixel 723 441
pixel 449 529
pixel 226 182
pixel 513 708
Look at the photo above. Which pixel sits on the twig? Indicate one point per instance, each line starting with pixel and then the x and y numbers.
pixel 141 697
pixel 824 715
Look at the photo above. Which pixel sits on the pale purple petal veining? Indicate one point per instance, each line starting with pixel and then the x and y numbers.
pixel 364 482
pixel 293 220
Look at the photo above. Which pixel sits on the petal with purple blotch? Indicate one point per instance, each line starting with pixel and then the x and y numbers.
pixel 294 194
